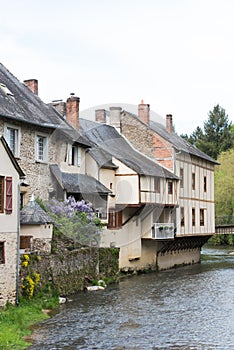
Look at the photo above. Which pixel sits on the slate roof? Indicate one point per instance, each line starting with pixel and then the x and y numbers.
pixel 107 142
pixel 33 214
pixel 23 105
pixel 78 183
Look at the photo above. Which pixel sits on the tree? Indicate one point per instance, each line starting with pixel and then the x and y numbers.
pixel 217 135
pixel 76 220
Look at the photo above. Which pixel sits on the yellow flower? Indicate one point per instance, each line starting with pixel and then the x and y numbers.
pixel 26 257
pixel 25 263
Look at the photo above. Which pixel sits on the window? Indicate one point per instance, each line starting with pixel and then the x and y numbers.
pixel 193 181
pixel 205 184
pixel 41 148
pixel 170 187
pixel 182 216
pixel 181 178
pixel 2 194
pixel 202 217
pixel 12 136
pixel 75 156
pixel 157 184
pixel 25 242
pixel 2 252
pixel 114 218
pixel 193 217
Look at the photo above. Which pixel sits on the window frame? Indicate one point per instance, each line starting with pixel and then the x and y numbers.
pixel 182 217
pixel 17 130
pixel 2 194
pixel 181 178
pixel 2 253
pixel 157 185
pixel 170 187
pixel 114 218
pixel 44 158
pixel 75 154
pixel 193 181
pixel 205 183
pixel 202 217
pixel 193 217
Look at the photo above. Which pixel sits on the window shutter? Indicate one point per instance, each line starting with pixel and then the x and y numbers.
pixel 8 195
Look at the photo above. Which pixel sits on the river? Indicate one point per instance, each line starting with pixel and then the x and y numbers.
pixel 188 308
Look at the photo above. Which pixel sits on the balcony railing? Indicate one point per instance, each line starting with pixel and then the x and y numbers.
pixel 163 231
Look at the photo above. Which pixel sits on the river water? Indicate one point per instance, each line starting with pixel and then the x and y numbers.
pixel 188 308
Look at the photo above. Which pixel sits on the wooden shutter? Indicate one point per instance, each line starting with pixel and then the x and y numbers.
pixel 8 195
pixel 1 194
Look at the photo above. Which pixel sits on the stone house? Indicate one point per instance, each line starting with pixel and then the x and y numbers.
pixel 36 229
pixel 194 215
pixel 43 142
pixel 10 177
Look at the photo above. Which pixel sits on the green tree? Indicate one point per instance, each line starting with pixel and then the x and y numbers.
pixel 216 136
pixel 224 195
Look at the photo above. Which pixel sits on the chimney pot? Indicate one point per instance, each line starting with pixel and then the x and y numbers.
pixel 144 112
pixel 72 111
pixel 32 84
pixel 169 124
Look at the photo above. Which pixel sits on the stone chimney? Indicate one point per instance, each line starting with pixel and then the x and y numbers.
pixel 115 114
pixel 100 116
pixel 32 84
pixel 72 111
pixel 144 112
pixel 60 106
pixel 169 125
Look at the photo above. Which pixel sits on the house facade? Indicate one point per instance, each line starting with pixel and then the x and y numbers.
pixel 10 175
pixel 140 196
pixel 194 215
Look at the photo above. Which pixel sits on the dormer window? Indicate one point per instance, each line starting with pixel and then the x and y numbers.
pixel 75 156
pixel 6 90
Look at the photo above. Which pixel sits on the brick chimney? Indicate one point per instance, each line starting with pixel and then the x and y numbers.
pixel 169 125
pixel 32 84
pixel 115 115
pixel 72 111
pixel 144 112
pixel 100 116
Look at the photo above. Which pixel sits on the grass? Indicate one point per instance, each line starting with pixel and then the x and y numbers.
pixel 15 321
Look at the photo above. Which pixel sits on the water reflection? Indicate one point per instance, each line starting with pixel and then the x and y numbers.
pixel 185 308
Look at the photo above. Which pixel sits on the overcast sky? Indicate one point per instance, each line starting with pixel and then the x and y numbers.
pixel 176 55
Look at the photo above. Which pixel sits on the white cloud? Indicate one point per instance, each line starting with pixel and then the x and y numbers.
pixel 176 55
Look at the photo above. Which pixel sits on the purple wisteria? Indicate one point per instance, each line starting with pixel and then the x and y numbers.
pixel 69 207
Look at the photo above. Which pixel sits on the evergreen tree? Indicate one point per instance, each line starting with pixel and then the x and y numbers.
pixel 217 135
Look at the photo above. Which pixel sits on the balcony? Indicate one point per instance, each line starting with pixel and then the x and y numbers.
pixel 163 231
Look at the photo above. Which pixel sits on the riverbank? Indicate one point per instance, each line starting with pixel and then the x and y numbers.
pixel 15 321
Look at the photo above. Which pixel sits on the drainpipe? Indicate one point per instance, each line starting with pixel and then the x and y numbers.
pixel 18 248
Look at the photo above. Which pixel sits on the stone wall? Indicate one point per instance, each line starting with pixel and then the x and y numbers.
pixel 146 140
pixel 8 269
pixel 72 271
